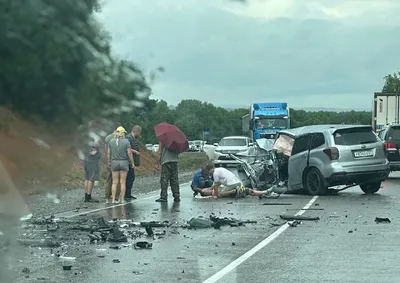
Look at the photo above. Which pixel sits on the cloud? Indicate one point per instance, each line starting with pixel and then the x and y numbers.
pixel 308 53
pixel 351 10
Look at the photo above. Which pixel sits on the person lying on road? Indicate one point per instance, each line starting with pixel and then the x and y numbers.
pixel 227 184
pixel 202 179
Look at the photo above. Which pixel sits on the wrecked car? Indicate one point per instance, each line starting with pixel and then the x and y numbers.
pixel 261 167
pixel 314 158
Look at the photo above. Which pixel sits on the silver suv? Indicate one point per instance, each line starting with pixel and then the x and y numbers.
pixel 333 155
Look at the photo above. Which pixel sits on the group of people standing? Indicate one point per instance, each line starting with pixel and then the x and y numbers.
pixel 123 156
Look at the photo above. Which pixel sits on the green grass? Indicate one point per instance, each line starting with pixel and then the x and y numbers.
pixel 192 160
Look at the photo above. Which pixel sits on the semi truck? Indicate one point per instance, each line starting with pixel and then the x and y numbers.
pixel 385 110
pixel 265 119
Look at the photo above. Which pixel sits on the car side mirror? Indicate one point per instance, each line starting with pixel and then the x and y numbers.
pixel 215 144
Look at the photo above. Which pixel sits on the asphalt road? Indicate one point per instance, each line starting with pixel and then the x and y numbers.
pixel 345 245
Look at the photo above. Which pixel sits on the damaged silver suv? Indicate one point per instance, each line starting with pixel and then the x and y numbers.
pixel 323 156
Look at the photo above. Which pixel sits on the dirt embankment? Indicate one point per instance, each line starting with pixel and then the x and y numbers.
pixel 35 159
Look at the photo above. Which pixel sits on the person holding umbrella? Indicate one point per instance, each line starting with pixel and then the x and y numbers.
pixel 119 159
pixel 172 142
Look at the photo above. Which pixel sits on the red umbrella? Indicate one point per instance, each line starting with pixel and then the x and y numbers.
pixel 171 137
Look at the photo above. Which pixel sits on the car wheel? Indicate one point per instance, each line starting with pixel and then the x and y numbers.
pixel 371 188
pixel 314 182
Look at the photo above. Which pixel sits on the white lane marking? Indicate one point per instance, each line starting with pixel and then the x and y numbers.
pixel 103 208
pixel 107 207
pixel 224 271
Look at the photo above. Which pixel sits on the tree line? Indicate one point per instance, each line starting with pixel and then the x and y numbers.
pixel 194 117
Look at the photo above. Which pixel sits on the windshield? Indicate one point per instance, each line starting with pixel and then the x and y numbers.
pixel 354 136
pixel 271 123
pixel 233 142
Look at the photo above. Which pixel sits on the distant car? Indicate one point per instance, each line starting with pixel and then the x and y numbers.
pixel 199 145
pixel 390 135
pixel 149 146
pixel 236 145
pixel 332 155
pixel 155 148
pixel 209 150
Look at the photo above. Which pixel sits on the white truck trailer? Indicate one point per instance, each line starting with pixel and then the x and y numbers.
pixel 385 110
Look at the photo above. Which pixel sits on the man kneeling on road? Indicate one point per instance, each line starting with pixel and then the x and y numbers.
pixel 227 184
pixel 202 179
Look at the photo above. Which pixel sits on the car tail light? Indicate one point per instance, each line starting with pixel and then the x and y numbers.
pixel 332 153
pixel 390 145
pixel 384 150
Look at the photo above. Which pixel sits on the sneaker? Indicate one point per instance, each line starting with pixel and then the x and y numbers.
pixel 130 197
pixel 108 200
pixel 274 195
pixel 270 195
pixel 161 200
pixel 195 194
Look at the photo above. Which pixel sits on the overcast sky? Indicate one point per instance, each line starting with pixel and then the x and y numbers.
pixel 326 53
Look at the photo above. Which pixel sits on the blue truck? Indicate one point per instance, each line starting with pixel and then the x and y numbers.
pixel 265 119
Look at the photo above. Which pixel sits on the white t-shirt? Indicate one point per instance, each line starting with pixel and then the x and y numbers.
pixel 225 177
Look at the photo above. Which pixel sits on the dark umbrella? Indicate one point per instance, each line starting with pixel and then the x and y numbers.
pixel 171 137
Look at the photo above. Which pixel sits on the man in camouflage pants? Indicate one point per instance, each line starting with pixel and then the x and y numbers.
pixel 169 174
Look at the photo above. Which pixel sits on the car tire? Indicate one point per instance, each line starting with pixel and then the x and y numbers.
pixel 371 188
pixel 314 182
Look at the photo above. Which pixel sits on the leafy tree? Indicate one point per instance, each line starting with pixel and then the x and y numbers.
pixel 193 117
pixel 56 63
pixel 392 83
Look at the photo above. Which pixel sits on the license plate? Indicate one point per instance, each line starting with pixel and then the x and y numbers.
pixel 363 153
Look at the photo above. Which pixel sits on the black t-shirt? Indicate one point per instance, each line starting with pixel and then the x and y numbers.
pixel 135 146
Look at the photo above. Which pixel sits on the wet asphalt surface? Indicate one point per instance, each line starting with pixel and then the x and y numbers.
pixel 345 245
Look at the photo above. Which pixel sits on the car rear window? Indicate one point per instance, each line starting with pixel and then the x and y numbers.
pixel 354 136
pixel 394 133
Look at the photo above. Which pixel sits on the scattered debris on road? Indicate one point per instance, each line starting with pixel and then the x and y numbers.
pixel 143 245
pixel 117 236
pixel 277 203
pixel 218 222
pixel 200 223
pixel 155 224
pixel 294 223
pixel 149 231
pixel 382 220
pixel 301 218
pixel 67 267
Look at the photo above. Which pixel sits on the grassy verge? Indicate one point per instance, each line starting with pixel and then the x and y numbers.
pixel 192 160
